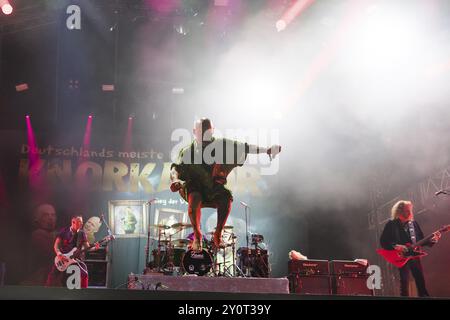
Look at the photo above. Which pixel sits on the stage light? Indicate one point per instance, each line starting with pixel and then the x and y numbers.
pixel 280 25
pixel 74 84
pixel 221 3
pixel 22 87
pixel 27 116
pixel 7 8
pixel 90 116
pixel 177 90
pixel 181 29
pixel 108 87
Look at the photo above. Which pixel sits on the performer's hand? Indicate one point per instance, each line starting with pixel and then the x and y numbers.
pixel 97 246
pixel 62 258
pixel 273 151
pixel 436 237
pixel 174 187
pixel 400 248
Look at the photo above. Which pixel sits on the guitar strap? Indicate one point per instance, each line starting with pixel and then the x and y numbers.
pixel 79 263
pixel 412 232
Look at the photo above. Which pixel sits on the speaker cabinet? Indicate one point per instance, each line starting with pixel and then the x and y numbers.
pixel 352 286
pixel 98 273
pixel 316 285
pixel 2 273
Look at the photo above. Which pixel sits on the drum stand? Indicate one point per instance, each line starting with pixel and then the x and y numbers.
pixel 169 253
pixel 217 271
pixel 216 265
pixel 170 266
pixel 226 270
pixel 158 252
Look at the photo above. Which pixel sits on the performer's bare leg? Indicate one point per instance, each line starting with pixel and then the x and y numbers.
pixel 223 211
pixel 195 214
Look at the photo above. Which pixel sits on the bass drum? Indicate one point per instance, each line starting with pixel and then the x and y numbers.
pixel 177 257
pixel 256 260
pixel 199 263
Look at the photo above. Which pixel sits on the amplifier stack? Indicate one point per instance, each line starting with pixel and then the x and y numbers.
pixel 309 277
pixel 322 277
pixel 350 278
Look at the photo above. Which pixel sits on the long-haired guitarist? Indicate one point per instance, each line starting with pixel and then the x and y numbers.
pixel 402 229
pixel 66 240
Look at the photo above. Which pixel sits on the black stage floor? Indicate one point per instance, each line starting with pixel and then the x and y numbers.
pixel 45 293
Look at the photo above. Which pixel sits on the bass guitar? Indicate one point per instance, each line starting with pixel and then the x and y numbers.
pixel 61 263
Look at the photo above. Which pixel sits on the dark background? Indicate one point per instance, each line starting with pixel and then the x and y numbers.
pixel 350 143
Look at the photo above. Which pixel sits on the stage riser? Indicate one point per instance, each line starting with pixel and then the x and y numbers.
pixel 209 284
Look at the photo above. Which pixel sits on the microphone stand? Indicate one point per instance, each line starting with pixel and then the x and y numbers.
pixel 107 226
pixel 444 191
pixel 147 251
pixel 108 230
pixel 247 222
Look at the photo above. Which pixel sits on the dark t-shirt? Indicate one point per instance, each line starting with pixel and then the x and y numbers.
pixel 70 240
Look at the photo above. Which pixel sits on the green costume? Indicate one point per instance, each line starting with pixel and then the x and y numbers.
pixel 204 169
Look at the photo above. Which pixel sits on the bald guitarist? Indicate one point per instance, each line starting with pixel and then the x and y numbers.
pixel 402 230
pixel 66 240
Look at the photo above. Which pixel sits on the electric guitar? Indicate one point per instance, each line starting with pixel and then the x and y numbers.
pixel 399 259
pixel 71 257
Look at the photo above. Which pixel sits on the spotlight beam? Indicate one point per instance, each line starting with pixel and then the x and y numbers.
pixel 128 143
pixel 36 179
pixel 87 140
pixel 293 12
pixel 326 55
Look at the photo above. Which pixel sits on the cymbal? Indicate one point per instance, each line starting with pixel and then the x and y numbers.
pixel 181 225
pixel 159 226
pixel 181 242
pixel 226 228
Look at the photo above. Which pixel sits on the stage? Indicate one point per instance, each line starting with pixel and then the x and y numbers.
pixel 44 293
pixel 224 149
pixel 208 284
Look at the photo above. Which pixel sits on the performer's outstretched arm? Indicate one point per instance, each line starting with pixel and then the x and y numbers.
pixel 271 151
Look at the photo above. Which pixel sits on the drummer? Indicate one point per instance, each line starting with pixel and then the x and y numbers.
pixel 191 238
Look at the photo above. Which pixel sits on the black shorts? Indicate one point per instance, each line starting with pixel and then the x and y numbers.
pixel 210 197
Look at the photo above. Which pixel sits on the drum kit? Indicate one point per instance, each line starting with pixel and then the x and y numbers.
pixel 174 256
pixel 254 261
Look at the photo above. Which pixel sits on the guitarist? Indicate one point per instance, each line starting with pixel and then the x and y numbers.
pixel 67 239
pixel 400 230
